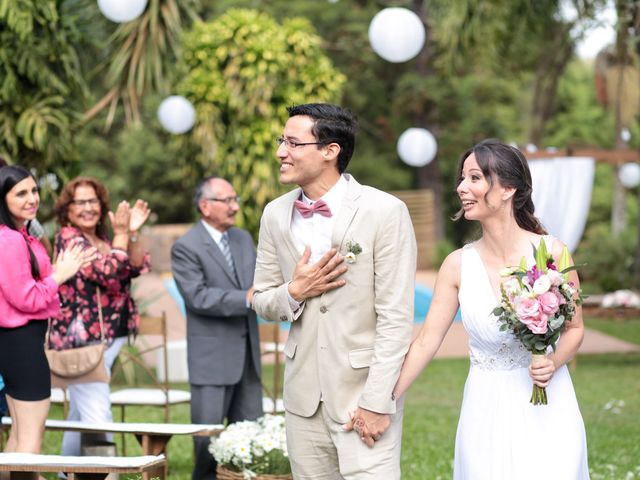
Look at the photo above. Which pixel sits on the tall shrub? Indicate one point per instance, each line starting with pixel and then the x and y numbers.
pixel 242 70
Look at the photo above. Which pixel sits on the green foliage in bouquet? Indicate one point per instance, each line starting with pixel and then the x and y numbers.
pixel 536 303
pixel 506 312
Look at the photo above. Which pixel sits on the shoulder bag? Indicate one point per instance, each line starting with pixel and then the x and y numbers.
pixel 78 365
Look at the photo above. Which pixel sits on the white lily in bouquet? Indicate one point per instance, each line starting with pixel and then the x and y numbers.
pixel 536 303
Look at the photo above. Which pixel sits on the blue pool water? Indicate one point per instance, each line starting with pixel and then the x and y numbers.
pixel 423 298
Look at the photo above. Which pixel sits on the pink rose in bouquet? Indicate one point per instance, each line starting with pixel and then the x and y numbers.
pixel 536 302
pixel 527 308
pixel 528 312
pixel 537 324
pixel 549 303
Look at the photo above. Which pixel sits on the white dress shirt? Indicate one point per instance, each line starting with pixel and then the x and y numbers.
pixel 316 230
pixel 215 234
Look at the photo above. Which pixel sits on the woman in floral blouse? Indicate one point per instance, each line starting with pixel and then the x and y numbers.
pixel 82 210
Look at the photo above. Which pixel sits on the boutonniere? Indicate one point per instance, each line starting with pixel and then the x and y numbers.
pixel 353 250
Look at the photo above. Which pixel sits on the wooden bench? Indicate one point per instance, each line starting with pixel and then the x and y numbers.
pixel 592 307
pixel 153 437
pixel 86 468
pixel 615 313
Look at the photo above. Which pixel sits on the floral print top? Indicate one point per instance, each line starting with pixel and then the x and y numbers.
pixel 78 323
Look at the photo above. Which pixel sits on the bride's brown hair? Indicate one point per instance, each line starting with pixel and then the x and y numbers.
pixel 508 165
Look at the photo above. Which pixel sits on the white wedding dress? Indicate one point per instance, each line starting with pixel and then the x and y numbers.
pixel 501 436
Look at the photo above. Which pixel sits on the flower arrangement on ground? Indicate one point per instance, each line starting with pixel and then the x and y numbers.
pixel 536 303
pixel 621 299
pixel 253 448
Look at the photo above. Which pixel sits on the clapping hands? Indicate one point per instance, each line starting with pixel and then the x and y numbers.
pixel 128 219
pixel 120 218
pixel 139 214
pixel 72 259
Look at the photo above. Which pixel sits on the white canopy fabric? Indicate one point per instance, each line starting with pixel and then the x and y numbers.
pixel 562 195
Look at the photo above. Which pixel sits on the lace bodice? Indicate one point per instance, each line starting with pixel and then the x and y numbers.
pixel 489 348
pixel 507 357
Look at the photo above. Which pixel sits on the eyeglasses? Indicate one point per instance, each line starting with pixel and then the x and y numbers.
pixel 291 144
pixel 228 200
pixel 92 202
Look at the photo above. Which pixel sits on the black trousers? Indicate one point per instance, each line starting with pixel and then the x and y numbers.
pixel 211 404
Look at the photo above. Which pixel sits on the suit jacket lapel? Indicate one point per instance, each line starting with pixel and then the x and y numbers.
pixel 285 223
pixel 214 251
pixel 348 210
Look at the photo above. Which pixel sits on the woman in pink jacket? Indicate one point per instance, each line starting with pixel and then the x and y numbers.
pixel 28 297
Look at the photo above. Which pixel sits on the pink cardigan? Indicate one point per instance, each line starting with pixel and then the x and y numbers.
pixel 23 298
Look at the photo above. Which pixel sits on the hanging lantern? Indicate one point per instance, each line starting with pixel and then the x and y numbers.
pixel 396 34
pixel 122 11
pixel 417 147
pixel 629 175
pixel 176 114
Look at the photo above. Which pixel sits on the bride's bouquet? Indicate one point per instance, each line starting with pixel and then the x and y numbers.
pixel 536 303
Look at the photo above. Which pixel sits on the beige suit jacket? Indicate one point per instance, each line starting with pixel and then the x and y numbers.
pixel 347 346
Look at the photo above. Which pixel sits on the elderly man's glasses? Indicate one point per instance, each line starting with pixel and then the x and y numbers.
pixel 228 200
pixel 91 202
pixel 291 144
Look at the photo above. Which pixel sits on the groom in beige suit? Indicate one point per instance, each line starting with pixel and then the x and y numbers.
pixel 337 259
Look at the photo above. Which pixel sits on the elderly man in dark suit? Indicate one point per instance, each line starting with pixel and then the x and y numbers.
pixel 213 266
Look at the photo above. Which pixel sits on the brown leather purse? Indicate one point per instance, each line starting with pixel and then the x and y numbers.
pixel 78 365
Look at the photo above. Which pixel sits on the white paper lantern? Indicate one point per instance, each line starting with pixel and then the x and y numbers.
pixel 396 34
pixel 176 114
pixel 625 135
pixel 121 11
pixel 417 147
pixel 629 175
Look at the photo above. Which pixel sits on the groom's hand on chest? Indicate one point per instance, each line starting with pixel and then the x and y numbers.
pixel 312 280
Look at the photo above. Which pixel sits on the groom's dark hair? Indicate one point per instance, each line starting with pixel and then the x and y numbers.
pixel 332 124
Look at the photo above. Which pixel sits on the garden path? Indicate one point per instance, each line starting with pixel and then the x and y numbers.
pixel 154 298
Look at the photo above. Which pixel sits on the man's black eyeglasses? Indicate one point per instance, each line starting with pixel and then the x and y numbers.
pixel 291 144
pixel 228 200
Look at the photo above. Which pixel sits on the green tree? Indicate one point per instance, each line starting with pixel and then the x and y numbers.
pixel 241 71
pixel 140 57
pixel 143 161
pixel 41 83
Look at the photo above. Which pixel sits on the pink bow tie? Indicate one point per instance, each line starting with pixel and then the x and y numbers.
pixel 306 211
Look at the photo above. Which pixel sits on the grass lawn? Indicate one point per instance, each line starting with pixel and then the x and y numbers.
pixel 608 389
pixel 627 330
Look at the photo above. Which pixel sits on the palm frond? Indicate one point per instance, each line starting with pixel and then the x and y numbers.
pixel 145 53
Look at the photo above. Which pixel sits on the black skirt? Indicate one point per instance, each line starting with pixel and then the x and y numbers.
pixel 23 364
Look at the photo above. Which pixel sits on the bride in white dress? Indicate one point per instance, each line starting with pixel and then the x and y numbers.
pixel 501 436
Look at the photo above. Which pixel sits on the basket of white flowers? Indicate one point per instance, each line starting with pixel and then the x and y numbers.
pixel 255 450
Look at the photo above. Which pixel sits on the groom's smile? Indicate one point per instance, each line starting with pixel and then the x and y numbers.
pixel 302 158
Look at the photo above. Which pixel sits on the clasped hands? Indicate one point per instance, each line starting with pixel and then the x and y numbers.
pixel 368 425
pixel 312 280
